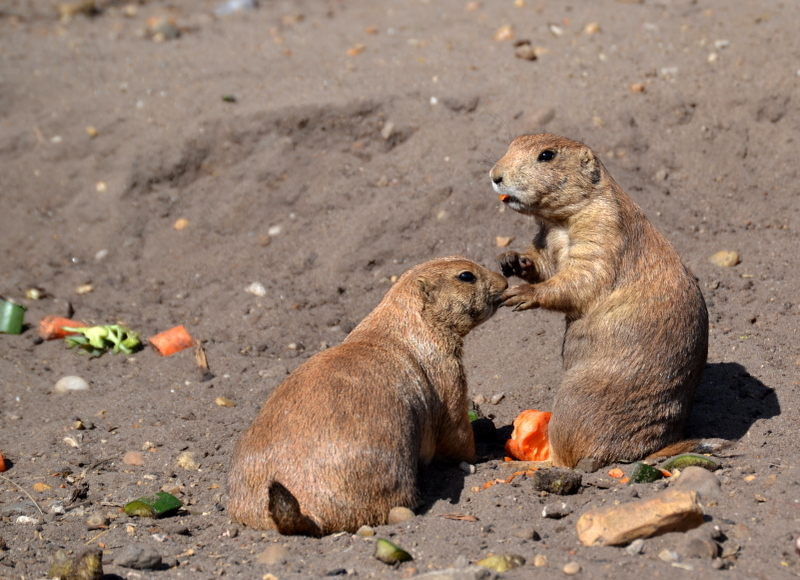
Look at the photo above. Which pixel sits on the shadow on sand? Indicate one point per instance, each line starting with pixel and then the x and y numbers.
pixel 728 402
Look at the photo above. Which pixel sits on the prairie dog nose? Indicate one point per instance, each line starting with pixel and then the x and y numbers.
pixel 496 175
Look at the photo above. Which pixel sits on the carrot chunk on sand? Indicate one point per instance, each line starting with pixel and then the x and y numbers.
pixel 171 341
pixel 2 463
pixel 52 327
pixel 529 441
pixel 616 473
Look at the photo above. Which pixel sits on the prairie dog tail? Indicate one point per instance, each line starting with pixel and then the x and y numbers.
pixel 690 446
pixel 284 509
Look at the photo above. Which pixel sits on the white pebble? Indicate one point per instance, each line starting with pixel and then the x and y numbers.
pixel 274 230
pixel 571 568
pixel 497 398
pixel 256 288
pixel 66 384
pixel 101 255
pixel 26 520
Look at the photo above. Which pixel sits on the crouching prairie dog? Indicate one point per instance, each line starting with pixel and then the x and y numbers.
pixel 636 336
pixel 339 442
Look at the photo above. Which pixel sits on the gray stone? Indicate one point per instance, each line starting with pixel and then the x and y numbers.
pixel 525 533
pixel 698 548
pixel 556 480
pixel 139 556
pixel 556 510
pixel 635 547
pixel 588 465
pixel 700 480
pixel 22 508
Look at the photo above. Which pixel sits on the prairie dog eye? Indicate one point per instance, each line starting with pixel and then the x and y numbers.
pixel 466 276
pixel 546 155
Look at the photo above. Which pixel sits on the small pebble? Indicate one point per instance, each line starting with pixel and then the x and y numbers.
pixel 479 400
pixel 188 461
pixel 592 28
pixel 70 383
pixel 399 514
pixel 525 533
pixel 635 547
pixel 273 555
pixel 556 510
pixel 571 568
pixel 386 132
pixel 702 481
pixel 224 402
pixel 96 521
pixel 26 520
pixel 497 398
pixel 725 258
pixel 180 224
pixel 539 560
pixel 256 289
pixel 588 465
pixel 139 556
pixel 668 556
pixel 133 458
pixel 365 531
pixel 467 467
pixel 524 50
pixel 504 33
pixel 171 488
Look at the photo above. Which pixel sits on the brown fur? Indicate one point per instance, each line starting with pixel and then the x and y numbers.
pixel 637 327
pixel 338 444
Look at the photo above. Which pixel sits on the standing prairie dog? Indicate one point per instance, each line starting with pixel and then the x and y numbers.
pixel 339 442
pixel 636 336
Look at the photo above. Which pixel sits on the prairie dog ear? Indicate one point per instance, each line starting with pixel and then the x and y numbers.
pixel 424 287
pixel 591 166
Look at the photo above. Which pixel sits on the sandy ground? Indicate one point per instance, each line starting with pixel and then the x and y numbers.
pixel 353 142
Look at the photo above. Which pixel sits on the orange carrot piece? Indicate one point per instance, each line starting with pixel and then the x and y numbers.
pixel 2 462
pixel 616 473
pixel 52 327
pixel 171 341
pixel 625 480
pixel 665 473
pixel 529 440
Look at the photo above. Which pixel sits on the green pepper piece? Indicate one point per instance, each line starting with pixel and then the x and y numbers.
pixel 11 317
pixel 389 553
pixel 643 473
pixel 689 459
pixel 153 506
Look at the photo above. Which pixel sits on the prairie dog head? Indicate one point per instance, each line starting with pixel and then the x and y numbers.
pixel 455 293
pixel 547 176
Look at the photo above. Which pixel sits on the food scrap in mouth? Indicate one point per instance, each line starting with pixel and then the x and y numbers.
pixel 504 198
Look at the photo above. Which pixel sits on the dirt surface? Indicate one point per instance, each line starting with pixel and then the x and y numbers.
pixel 354 141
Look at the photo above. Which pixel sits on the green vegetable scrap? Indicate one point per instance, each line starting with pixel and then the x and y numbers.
pixel 689 459
pixel 643 473
pixel 11 317
pixel 473 416
pixel 96 340
pixel 389 553
pixel 153 506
